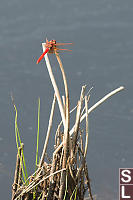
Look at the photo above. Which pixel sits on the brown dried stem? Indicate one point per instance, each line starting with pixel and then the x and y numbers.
pixel 56 90
pixel 66 130
pixel 86 143
pixel 93 108
pixel 48 132
pixel 17 173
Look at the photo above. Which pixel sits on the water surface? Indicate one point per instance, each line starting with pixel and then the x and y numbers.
pixel 102 33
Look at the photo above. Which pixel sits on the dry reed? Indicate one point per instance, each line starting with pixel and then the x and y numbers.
pixel 66 176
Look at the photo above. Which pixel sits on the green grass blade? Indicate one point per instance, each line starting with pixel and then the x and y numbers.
pixel 26 176
pixel 34 194
pixel 65 189
pixel 74 191
pixel 75 194
pixel 39 196
pixel 16 128
pixel 18 143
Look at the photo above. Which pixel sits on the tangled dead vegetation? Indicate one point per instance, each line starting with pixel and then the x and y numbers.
pixel 65 175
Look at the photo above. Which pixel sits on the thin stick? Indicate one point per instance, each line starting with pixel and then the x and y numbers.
pixel 88 181
pixel 93 108
pixel 57 135
pixel 77 105
pixel 38 130
pixel 86 143
pixel 54 86
pixel 76 126
pixel 99 103
pixel 88 98
pixel 66 130
pixel 78 115
pixel 28 189
pixel 88 94
pixel 48 132
pixel 16 176
pixel 52 181
pixel 63 74
pixel 63 99
pixel 20 169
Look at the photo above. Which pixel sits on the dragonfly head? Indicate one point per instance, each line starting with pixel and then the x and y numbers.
pixel 53 42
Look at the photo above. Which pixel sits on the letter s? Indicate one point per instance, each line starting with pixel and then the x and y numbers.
pixel 126 173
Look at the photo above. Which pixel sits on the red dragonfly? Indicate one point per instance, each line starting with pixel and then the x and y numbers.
pixel 50 47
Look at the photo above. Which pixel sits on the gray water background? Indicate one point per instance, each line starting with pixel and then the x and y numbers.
pixel 102 57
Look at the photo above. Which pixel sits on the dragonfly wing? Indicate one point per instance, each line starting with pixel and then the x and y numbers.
pixel 63 49
pixel 58 44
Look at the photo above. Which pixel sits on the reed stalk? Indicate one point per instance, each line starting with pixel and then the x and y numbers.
pixel 87 127
pixel 66 130
pixel 38 129
pixel 48 132
pixel 92 109
pixel 56 90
